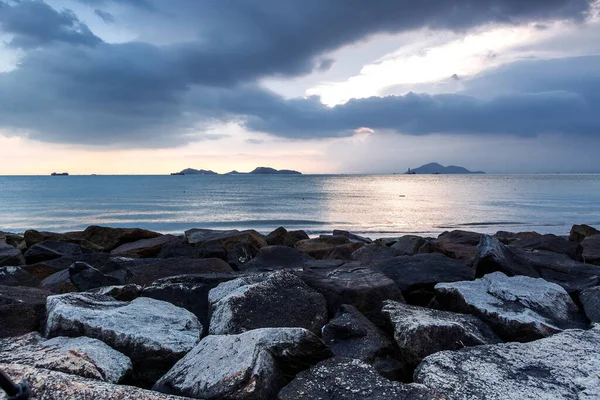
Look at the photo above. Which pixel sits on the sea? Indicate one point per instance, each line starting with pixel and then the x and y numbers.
pixel 370 205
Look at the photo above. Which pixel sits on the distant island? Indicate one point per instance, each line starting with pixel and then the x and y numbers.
pixel 435 168
pixel 256 171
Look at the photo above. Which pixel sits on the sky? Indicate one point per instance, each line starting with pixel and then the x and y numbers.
pixel 336 86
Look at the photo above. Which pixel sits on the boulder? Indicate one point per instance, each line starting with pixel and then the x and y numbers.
pixel 350 334
pixel 51 249
pixel 590 301
pixel 320 247
pixel 153 333
pixel 17 276
pixel 82 356
pixel 184 250
pixel 372 253
pixel 199 236
pixel 352 237
pixel 100 261
pixel 281 299
pixel 59 283
pixel 518 308
pixel 416 275
pixel 251 365
pixel 408 245
pixel 86 277
pixel 272 258
pixel 591 250
pixel 10 256
pixel 420 331
pixel 144 273
pixel 21 309
pixel 226 239
pixel 281 237
pixel 511 237
pixel 580 232
pixel 33 237
pixel 558 268
pixel 351 283
pixel 344 252
pixel 120 292
pixel 551 243
pixel 563 366
pixel 460 245
pixel 14 240
pixel 350 379
pixel 108 239
pixel 145 248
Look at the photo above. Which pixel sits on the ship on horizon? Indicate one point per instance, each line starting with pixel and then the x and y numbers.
pixel 59 174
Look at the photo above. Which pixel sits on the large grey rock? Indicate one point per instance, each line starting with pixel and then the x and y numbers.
pixel 82 356
pixel 120 292
pixel 251 365
pixel 350 334
pixel 51 385
pixel 86 277
pixel 281 299
pixel 564 366
pixel 572 275
pixel 590 301
pixel 153 333
pixel 100 261
pixel 108 239
pixel 374 252
pixel 344 252
pixel 460 245
pixel 518 308
pixel 145 248
pixel 22 309
pixel 350 379
pixel 580 232
pixel 10 256
pixel 408 245
pixel 146 271
pixel 51 249
pixel 420 331
pixel 352 236
pixel 241 246
pixel 320 247
pixel 272 258
pixel 17 276
pixel 591 250
pixel 281 237
pixel 551 243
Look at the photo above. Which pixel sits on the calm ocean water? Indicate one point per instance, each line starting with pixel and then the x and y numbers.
pixel 375 205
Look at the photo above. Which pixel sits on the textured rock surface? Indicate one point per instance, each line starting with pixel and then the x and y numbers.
pixel 100 261
pixel 564 366
pixel 271 258
pixel 149 270
pixel 408 245
pixel 120 292
pixel 420 331
pixel 86 277
pixel 344 251
pixel 460 245
pixel 21 309
pixel 591 250
pixel 551 243
pixel 10 256
pixel 145 248
pixel 281 237
pixel 109 239
pixel 320 247
pixel 257 364
pixel 280 300
pixel 590 300
pixel 344 378
pixel 352 236
pixel 580 232
pixel 17 276
pixel 51 249
pixel 373 253
pixel 82 356
pixel 518 308
pixel 51 385
pixel 154 334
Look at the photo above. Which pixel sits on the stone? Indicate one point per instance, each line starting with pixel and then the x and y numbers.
pixel 416 275
pixel 421 331
pixel 350 379
pixel 558 268
pixel 17 276
pixel 256 364
pixel 199 236
pixel 511 237
pixel 352 237
pixel 82 356
pixel 591 250
pixel 281 237
pixel 518 308
pixel 350 334
pixel 51 385
pixel 10 256
pixel 51 249
pixel 150 270
pixel 281 299
pixel 344 251
pixel 351 283
pixel 320 247
pixel 120 292
pixel 272 258
pixel 33 237
pixel 460 245
pixel 22 309
pixel 563 366
pixel 580 232
pixel 14 240
pixel 145 248
pixel 590 301
pixel 551 243
pixel 183 250
pixel 372 253
pixel 408 245
pixel 153 333
pixel 226 239
pixel 100 261
pixel 86 277
pixel 109 239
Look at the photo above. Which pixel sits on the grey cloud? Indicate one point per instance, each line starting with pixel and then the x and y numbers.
pixel 254 141
pixel 105 16
pixel 34 23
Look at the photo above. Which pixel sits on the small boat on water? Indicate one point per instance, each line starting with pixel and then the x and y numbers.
pixel 177 173
pixel 59 174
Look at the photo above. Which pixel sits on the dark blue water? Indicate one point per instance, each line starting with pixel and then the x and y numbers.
pixel 376 205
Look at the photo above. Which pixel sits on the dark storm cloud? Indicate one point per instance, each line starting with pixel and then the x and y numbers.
pixel 105 16
pixel 147 95
pixel 35 23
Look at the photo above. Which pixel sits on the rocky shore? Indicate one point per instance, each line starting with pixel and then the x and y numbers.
pixel 114 313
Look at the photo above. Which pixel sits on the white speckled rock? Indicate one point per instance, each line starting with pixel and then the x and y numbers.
pixel 564 366
pixel 518 308
pixel 153 333
pixel 83 356
pixel 52 385
pixel 251 365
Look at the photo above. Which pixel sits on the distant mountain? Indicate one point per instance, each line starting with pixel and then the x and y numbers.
pixel 234 172
pixel 273 171
pixel 192 171
pixel 256 171
pixel 435 168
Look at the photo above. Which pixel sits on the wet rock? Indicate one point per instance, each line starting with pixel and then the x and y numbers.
pixel 51 249
pixel 590 301
pixel 33 237
pixel 353 237
pixel 51 385
pixel 460 245
pixel 82 356
pixel 153 333
pixel 272 258
pixel 351 283
pixel 59 283
pixel 320 247
pixel 344 252
pixel 591 250
pixel 257 365
pixel 120 292
pixel 350 334
pixel 109 239
pixel 281 237
pixel 420 331
pixel 372 253
pixel 43 269
pixel 12 239
pixel 564 366
pixel 10 256
pixel 518 308
pixel 226 239
pixel 21 309
pixel 281 299
pixel 147 272
pixel 145 248
pixel 511 237
pixel 17 276
pixel 416 275
pixel 408 245
pixel 350 379
pixel 551 243
pixel 558 268
pixel 580 232
pixel 86 277
pixel 183 250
